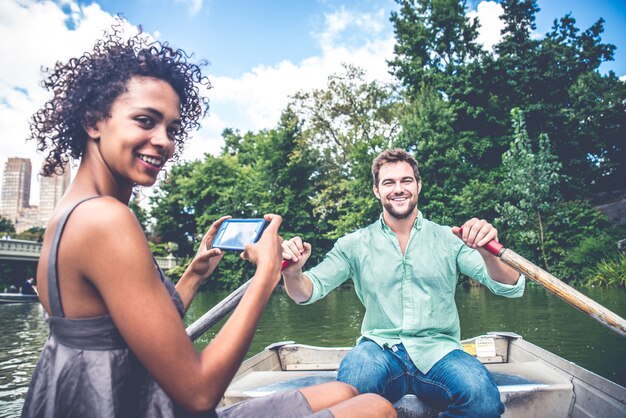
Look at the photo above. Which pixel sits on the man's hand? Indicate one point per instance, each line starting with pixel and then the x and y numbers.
pixel 476 233
pixel 297 285
pixel 297 252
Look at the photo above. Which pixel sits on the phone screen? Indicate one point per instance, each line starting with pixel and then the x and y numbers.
pixel 235 234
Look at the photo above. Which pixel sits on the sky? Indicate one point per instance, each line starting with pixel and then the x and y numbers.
pixel 260 52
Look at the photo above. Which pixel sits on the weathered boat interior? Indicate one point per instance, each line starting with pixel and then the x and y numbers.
pixel 532 381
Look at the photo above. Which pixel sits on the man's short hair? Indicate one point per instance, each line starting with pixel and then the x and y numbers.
pixel 393 156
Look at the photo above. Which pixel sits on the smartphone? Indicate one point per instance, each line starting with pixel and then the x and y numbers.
pixel 235 234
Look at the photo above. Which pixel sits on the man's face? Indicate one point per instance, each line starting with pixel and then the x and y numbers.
pixel 397 189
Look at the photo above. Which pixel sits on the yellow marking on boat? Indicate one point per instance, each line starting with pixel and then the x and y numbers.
pixel 470 348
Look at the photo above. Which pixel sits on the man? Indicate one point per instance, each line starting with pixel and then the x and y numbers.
pixel 28 287
pixel 405 271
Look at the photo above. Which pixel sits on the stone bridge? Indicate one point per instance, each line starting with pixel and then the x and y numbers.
pixel 20 250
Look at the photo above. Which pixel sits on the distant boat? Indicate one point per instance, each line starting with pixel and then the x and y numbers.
pixel 17 298
pixel 533 382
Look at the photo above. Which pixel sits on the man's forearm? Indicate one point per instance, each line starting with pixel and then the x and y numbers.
pixel 298 286
pixel 499 271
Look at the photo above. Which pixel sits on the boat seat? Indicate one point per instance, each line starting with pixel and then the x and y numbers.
pixel 544 393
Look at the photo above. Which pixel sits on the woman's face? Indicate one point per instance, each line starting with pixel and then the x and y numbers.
pixel 138 138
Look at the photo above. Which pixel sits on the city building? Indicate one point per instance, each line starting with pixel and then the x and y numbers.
pixel 51 190
pixel 15 188
pixel 27 219
pixel 14 204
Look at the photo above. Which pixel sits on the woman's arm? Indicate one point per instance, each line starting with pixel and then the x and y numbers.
pixel 123 272
pixel 202 265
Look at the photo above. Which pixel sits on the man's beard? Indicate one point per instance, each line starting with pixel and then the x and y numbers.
pixel 400 215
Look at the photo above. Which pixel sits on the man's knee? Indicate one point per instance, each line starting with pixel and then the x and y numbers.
pixel 477 401
pixel 471 390
pixel 364 367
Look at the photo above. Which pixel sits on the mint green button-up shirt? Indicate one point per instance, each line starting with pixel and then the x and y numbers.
pixel 408 298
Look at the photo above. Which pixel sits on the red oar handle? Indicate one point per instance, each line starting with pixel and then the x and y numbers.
pixel 285 264
pixel 493 246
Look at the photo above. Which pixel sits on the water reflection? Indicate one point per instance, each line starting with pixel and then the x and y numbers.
pixel 334 321
pixel 547 321
pixel 538 316
pixel 23 334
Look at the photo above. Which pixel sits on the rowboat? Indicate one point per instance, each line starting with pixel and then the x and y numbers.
pixel 17 298
pixel 533 382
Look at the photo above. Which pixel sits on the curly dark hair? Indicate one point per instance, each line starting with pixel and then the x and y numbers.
pixel 85 88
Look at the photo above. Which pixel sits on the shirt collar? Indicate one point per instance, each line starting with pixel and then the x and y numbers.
pixel 417 225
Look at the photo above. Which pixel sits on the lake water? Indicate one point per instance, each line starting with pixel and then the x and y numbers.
pixel 539 317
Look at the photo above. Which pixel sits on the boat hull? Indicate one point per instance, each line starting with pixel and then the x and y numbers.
pixel 532 381
pixel 17 298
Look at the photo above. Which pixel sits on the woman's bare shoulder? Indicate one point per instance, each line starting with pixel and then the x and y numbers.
pixel 103 208
pixel 102 219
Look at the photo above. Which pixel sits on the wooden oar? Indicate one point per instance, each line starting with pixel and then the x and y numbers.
pixel 219 311
pixel 557 287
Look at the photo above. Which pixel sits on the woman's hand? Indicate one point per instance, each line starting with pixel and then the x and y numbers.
pixel 267 252
pixel 207 258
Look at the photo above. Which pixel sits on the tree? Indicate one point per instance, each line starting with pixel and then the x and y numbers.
pixel 6 226
pixel 554 79
pixel 519 24
pixel 32 234
pixel 271 171
pixel 140 213
pixel 447 160
pixel 529 188
pixel 173 208
pixel 347 123
pixel 596 123
pixel 433 39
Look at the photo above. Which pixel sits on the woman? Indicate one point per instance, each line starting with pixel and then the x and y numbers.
pixel 117 345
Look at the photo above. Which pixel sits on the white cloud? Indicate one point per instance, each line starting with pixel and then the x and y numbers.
pixel 35 34
pixel 252 101
pixel 488 14
pixel 255 100
pixel 337 26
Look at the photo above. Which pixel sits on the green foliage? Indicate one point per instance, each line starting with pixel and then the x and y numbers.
pixel 6 226
pixel 452 111
pixel 162 249
pixel 575 236
pixel 596 122
pixel 173 210
pixel 554 79
pixel 609 273
pixel 176 273
pixel 140 213
pixel 433 39
pixel 32 234
pixel 348 123
pixel 529 186
pixel 600 246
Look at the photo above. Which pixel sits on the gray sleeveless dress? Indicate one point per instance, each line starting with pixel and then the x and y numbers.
pixel 86 369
